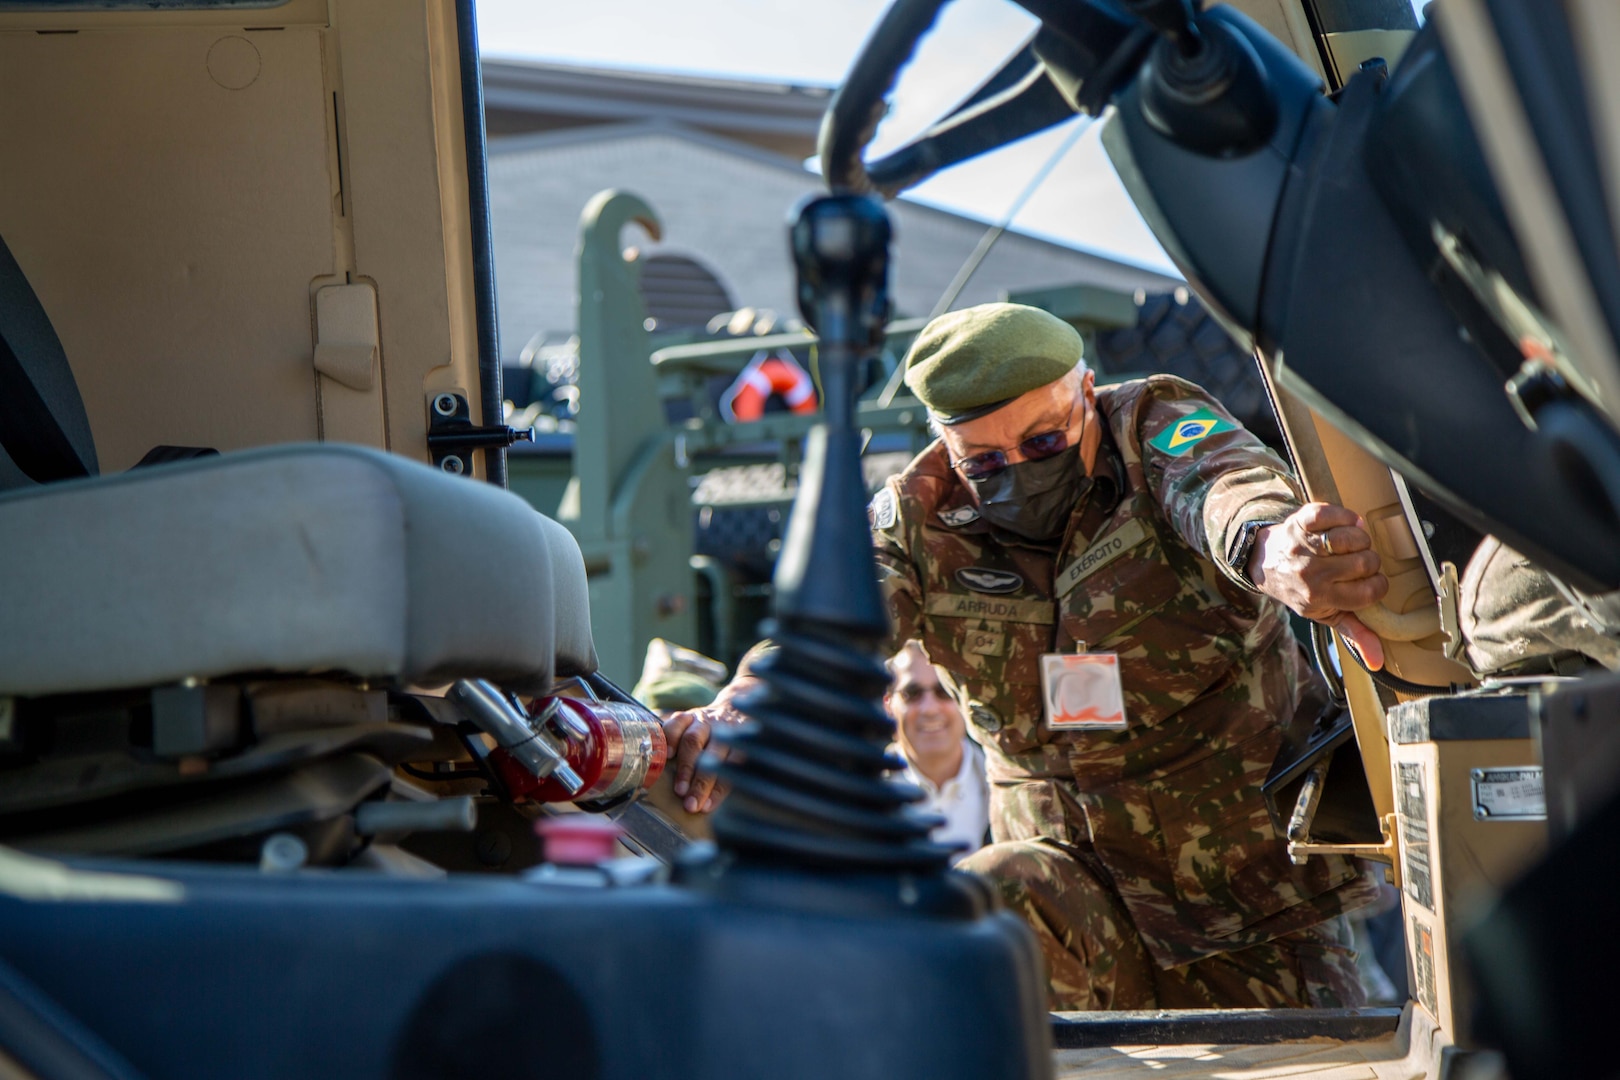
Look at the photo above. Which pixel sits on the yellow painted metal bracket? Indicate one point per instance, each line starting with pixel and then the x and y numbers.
pixel 1388 852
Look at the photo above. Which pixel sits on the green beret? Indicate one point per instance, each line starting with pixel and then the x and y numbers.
pixel 968 363
pixel 676 690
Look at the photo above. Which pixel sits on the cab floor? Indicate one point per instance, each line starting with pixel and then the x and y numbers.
pixel 1315 1060
pixel 1410 1049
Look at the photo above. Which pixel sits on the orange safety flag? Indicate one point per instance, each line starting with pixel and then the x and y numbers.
pixel 766 374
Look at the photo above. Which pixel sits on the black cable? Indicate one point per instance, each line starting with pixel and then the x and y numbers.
pixel 1395 682
pixel 602 806
pixel 606 689
pixel 1324 664
pixel 1405 686
pixel 454 774
pixel 466 731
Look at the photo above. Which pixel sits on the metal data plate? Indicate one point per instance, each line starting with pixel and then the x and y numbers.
pixel 1517 794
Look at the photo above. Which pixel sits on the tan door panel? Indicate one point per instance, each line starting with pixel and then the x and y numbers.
pixel 406 179
pixel 168 194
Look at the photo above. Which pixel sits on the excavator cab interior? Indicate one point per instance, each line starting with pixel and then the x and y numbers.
pixel 289 682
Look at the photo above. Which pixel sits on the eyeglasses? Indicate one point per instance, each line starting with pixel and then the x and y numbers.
pixel 911 693
pixel 1035 448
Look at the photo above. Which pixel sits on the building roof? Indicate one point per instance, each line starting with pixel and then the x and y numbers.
pixel 525 96
pixel 724 203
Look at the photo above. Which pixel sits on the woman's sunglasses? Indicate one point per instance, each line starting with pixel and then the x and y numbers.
pixel 1035 448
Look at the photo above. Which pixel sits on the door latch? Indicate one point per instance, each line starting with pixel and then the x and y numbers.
pixel 452 436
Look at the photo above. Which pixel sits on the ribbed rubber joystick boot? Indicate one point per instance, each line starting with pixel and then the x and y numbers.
pixel 807 774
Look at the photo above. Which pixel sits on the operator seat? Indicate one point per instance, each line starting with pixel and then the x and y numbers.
pixel 297 559
pixel 294 559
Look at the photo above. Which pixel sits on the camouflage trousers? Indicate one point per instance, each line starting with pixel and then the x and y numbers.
pixel 1095 960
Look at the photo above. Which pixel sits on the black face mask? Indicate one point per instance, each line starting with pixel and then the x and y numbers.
pixel 1034 498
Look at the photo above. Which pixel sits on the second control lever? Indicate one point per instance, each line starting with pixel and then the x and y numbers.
pixel 1203 85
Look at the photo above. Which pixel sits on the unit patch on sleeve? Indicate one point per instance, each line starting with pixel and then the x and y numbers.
pixel 882 509
pixel 1188 432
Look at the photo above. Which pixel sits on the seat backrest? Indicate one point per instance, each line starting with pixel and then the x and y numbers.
pixel 43 426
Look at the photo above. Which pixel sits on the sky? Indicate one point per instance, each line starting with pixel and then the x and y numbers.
pixel 1081 203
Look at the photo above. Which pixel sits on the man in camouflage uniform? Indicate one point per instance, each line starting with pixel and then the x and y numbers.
pixel 1140 521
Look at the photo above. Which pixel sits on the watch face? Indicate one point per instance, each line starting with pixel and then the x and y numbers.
pixel 1240 549
pixel 1238 561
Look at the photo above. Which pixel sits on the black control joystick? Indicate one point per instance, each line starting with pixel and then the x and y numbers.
pixel 807 775
pixel 1174 20
pixel 841 252
pixel 1203 85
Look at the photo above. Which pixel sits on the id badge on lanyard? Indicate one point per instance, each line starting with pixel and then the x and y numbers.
pixel 1081 691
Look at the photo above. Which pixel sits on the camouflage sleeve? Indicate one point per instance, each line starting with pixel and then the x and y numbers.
pixel 1210 475
pixel 897 574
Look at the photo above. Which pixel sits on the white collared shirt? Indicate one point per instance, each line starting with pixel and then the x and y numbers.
pixel 963 801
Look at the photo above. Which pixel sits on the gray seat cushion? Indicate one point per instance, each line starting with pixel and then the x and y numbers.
pixel 289 559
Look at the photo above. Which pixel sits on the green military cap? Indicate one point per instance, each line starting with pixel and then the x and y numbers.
pixel 675 690
pixel 968 363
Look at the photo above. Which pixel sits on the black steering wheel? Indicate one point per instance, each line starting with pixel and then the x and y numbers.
pixel 1084 50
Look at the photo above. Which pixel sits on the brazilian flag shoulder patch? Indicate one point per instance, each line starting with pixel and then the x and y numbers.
pixel 1188 432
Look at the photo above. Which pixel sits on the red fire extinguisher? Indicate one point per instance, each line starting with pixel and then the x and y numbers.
pixel 615 749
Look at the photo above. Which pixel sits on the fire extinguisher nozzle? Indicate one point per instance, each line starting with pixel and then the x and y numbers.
pixel 568 778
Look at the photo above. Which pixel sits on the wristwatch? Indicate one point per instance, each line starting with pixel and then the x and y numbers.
pixel 1238 558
